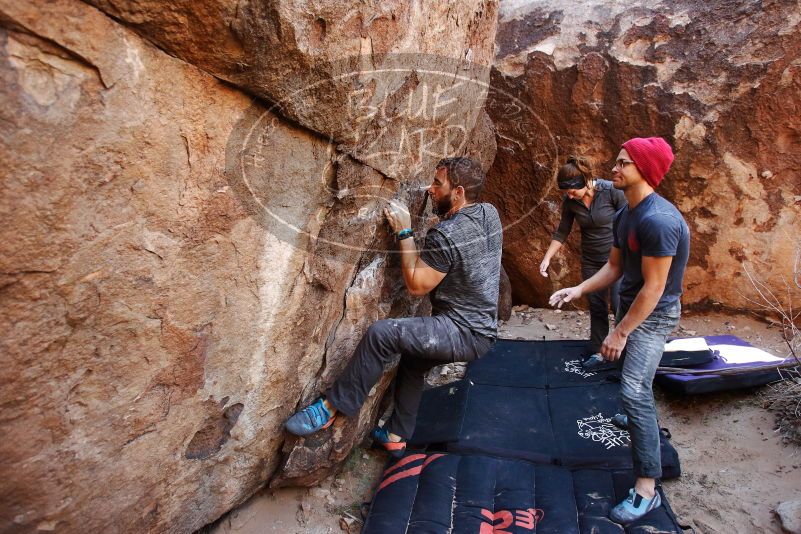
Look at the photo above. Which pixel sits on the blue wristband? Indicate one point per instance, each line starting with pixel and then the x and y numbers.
pixel 404 234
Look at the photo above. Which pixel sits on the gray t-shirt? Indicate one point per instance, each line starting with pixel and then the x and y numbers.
pixel 467 247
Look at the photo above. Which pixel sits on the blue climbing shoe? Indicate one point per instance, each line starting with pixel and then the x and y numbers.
pixel 381 440
pixel 593 361
pixel 621 421
pixel 310 419
pixel 634 507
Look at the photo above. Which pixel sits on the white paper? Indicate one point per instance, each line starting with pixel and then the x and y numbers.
pixel 740 354
pixel 691 344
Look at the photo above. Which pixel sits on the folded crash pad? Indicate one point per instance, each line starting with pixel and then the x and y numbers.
pixel 686 352
pixel 735 364
pixel 477 494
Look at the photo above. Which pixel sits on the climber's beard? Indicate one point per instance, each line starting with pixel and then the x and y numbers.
pixel 442 207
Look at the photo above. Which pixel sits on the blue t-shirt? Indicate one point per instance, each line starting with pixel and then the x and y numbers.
pixel 653 228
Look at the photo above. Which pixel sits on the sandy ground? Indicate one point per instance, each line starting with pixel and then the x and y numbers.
pixel 736 469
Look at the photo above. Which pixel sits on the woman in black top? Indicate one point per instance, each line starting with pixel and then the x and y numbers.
pixel 592 203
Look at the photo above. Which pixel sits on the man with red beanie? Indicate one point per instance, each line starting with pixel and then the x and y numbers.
pixel 650 251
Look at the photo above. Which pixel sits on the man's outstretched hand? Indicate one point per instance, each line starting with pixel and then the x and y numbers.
pixel 565 295
pixel 397 214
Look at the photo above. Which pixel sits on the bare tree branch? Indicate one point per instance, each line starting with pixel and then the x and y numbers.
pixel 786 311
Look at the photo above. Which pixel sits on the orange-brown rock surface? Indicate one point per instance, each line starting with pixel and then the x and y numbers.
pixel 721 81
pixel 310 58
pixel 181 265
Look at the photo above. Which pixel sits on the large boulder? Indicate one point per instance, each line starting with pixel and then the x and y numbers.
pixel 181 268
pixel 374 63
pixel 720 81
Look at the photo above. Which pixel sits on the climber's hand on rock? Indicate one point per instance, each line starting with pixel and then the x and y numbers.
pixel 397 214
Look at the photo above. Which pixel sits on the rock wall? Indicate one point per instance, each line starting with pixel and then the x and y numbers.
pixel 311 57
pixel 183 265
pixel 720 81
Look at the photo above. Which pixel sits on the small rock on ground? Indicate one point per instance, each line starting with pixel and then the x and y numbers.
pixel 789 513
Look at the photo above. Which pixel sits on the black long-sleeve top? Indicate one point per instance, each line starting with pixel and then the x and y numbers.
pixel 595 222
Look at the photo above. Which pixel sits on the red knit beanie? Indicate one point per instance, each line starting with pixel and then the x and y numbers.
pixel 652 156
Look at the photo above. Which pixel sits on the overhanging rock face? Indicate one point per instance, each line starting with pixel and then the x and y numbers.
pixel 328 65
pixel 182 266
pixel 721 81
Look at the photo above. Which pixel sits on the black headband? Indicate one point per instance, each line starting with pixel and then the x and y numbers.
pixel 576 182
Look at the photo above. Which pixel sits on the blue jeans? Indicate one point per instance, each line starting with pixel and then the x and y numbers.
pixel 644 349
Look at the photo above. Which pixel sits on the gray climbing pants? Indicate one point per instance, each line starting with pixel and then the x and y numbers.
pixel 423 343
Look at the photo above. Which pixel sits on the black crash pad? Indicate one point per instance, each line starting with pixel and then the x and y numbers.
pixel 523 444
pixel 535 364
pixel 532 401
pixel 477 494
pixel 558 363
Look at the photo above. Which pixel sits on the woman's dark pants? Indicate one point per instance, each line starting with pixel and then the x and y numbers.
pixel 599 306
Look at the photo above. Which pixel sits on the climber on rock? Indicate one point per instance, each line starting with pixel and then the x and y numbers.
pixel 459 267
pixel 650 251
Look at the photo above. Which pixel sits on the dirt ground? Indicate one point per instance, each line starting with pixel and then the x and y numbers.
pixel 736 469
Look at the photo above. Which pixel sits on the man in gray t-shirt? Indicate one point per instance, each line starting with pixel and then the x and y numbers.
pixel 459 267
pixel 467 248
